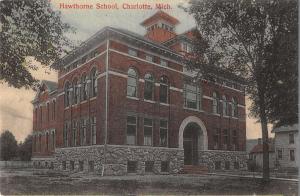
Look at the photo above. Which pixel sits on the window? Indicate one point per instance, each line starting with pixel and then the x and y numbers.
pixel 131 130
pixel 83 131
pixel 225 106
pixel 81 165
pixel 64 165
pixel 76 94
pixel 41 115
pixel 48 112
pixel 93 130
pixel 149 58
pixel 163 63
pixel 236 165
pixel 216 138
pixel 149 87
pixel 47 141
pixel 132 82
pixel 216 103
pixel 72 165
pixel 149 166
pixel 84 59
pixel 132 52
pixel 225 139
pixel 40 143
pixel 74 133
pixel 148 126
pixel 186 47
pixel 227 165
pixel 217 165
pixel 94 82
pixel 291 138
pixel 164 90
pixel 234 140
pixel 131 166
pixel 91 166
pixel 84 88
pixel 65 134
pixel 54 109
pixel 234 107
pixel 292 155
pixel 164 166
pixel 192 97
pixel 163 133
pixel 279 154
pixel 67 94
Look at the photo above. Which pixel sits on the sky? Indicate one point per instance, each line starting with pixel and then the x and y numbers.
pixel 15 104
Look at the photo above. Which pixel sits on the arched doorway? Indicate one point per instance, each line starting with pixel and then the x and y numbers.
pixel 192 138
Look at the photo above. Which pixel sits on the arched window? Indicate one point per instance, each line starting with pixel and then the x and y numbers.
pixel 225 105
pixel 94 83
pixel 149 87
pixel 164 90
pixel 84 87
pixel 67 94
pixel 216 103
pixel 234 107
pixel 76 94
pixel 132 83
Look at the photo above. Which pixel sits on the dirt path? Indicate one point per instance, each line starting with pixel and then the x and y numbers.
pixel 29 182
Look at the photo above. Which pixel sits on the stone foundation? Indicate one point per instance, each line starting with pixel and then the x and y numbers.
pixel 121 160
pixel 223 160
pixel 117 158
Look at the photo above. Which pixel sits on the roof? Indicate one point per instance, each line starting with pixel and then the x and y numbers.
pixel 52 86
pixel 258 148
pixel 286 128
pixel 160 15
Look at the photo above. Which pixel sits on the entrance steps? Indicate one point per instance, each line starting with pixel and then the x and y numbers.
pixel 194 169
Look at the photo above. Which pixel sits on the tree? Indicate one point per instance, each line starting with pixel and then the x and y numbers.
pixel 29 28
pixel 25 149
pixel 8 145
pixel 240 36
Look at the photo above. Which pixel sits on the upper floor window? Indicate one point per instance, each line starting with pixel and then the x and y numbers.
pixel 234 107
pixel 186 47
pixel 163 63
pixel 132 52
pixel 76 95
pixel 192 96
pixel 67 94
pixel 163 133
pixel 225 106
pixel 47 142
pixel 48 111
pixel 216 103
pixel 131 130
pixel 94 83
pixel 93 130
pixel 149 58
pixel 65 134
pixel 74 133
pixel 164 90
pixel 84 87
pixel 291 138
pixel 149 87
pixel 148 128
pixel 54 109
pixel 41 115
pixel 83 129
pixel 132 83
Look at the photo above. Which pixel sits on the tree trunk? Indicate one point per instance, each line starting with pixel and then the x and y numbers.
pixel 265 137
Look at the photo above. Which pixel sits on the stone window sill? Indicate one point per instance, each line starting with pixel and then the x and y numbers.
pixel 134 98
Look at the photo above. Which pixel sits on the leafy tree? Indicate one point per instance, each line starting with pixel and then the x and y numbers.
pixel 25 149
pixel 8 146
pixel 240 37
pixel 29 28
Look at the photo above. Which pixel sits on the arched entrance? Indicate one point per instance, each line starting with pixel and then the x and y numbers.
pixel 192 138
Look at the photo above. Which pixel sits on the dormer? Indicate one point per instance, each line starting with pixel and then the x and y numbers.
pixel 160 27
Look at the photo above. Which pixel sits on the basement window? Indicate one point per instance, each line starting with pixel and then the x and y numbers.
pixel 131 166
pixel 64 165
pixel 80 165
pixel 91 166
pixel 72 165
pixel 149 166
pixel 164 166
pixel 217 165
pixel 227 165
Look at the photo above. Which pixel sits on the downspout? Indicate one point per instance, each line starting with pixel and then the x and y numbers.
pixel 106 107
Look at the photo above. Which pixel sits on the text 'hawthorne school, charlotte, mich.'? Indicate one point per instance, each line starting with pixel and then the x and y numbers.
pixel 115 6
